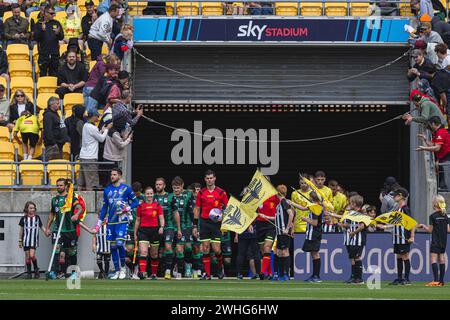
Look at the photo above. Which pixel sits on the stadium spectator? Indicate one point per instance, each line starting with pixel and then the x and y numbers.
pixel 91 136
pixel 384 8
pixel 427 49
pixel 55 133
pixel 39 19
pixel 238 8
pixel 115 93
pixel 428 35
pixel 19 104
pixel 247 249
pixel 88 19
pixel 441 27
pixel 74 46
pixel 16 27
pixel 443 57
pixel 440 145
pixel 421 7
pixel 422 68
pixel 258 9
pixel 319 181
pixel 115 147
pixel 48 34
pixel 123 41
pixel 387 194
pixel 122 117
pixel 99 84
pixel 28 126
pixel 426 109
pixel 71 76
pixel 101 30
pixel 71 25
pixel 441 87
pixel 155 9
pixel 4 110
pixel 299 197
pixel 74 125
pixel 3 64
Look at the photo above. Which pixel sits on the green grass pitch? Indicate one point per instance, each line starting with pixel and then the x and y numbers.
pixel 211 290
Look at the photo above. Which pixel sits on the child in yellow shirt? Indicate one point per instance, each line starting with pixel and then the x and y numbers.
pixel 28 126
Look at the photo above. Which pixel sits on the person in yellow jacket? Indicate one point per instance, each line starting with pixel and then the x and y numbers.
pixel 339 201
pixel 298 197
pixel 71 25
pixel 28 126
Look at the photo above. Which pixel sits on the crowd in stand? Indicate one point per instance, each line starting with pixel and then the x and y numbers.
pixel 101 127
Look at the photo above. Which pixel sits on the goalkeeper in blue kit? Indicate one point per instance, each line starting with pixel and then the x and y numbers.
pixel 118 201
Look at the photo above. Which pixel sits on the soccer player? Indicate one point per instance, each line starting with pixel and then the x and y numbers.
pixel 196 252
pixel 284 221
pixel 402 240
pixel 102 248
pixel 148 228
pixel 339 201
pixel 30 224
pixel 298 197
pixel 225 245
pixel 118 201
pixel 266 231
pixel 319 181
pixel 67 242
pixel 130 241
pixel 209 198
pixel 183 200
pixel 438 227
pixel 172 220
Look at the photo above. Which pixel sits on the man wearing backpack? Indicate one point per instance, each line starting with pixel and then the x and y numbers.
pixel 441 88
pixel 98 95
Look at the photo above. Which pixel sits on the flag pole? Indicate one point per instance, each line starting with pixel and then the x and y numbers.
pixel 54 246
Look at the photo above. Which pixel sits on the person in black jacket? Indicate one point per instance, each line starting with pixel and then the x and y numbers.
pixel 89 18
pixel 19 104
pixel 55 133
pixel 48 34
pixel 74 126
pixel 71 76
pixel 3 64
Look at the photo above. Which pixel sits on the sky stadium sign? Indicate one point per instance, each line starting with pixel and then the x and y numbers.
pixel 273 29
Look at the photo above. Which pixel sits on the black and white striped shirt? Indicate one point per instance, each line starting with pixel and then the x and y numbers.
pixel 399 234
pixel 358 239
pixel 312 232
pixel 103 246
pixel 31 226
pixel 282 216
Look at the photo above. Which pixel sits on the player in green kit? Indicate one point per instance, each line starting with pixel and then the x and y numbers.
pixel 130 241
pixel 197 265
pixel 172 220
pixel 184 241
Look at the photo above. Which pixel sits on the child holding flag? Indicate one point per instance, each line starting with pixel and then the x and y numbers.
pixel 438 227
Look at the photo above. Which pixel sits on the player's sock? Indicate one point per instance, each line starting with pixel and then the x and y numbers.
pixel 55 266
pixel 265 263
pixel 353 271
pixel 407 268
pixel 169 259
pixel 441 272
pixel 258 265
pixel 219 262
pixel 214 263
pixel 435 268
pixel 207 263
pixel 129 264
pixel 269 269
pixel 143 264
pixel 73 260
pixel 35 265
pixel 62 265
pixel 316 267
pixel 226 265
pixel 188 254
pixel 400 268
pixel 154 265
pixel 283 262
pixel 196 261
pixel 122 255
pixel 180 262
pixel 276 262
pixel 115 258
pixel 358 269
pixel 107 258
pixel 28 263
pixel 100 263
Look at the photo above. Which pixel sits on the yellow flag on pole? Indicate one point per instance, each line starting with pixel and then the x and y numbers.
pixel 326 202
pixel 397 218
pixel 67 207
pixel 257 192
pixel 237 216
pixel 356 217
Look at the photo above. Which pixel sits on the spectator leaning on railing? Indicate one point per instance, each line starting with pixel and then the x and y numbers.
pixel 422 68
pixel 426 110
pixel 88 19
pixel 55 133
pixel 441 50
pixel 16 27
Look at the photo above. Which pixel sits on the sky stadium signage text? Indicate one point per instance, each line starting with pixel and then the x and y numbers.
pixel 378 253
pixel 273 29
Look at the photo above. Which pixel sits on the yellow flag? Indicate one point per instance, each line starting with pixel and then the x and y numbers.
pixel 397 218
pixel 237 216
pixel 356 217
pixel 326 202
pixel 257 192
pixel 67 207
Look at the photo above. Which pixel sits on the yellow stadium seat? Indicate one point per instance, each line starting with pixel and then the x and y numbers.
pixel 286 8
pixel 72 99
pixel 170 8
pixel 38 150
pixel 311 9
pixel 405 9
pixel 187 8
pixel 105 49
pixel 91 65
pixel 31 172
pixel 66 151
pixel 212 8
pixel 335 9
pixel 67 113
pixel 4 134
pixel 8 14
pixel 18 52
pixel 47 85
pixel 60 16
pixel 135 8
pixel 41 117
pixel 88 53
pixel 6 150
pixel 42 99
pixel 24 83
pixel 58 170
pixel 62 48
pixel 359 9
pixel 20 68
pixel 7 174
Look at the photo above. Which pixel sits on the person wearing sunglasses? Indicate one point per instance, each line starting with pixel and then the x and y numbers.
pixel 19 104
pixel 48 34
